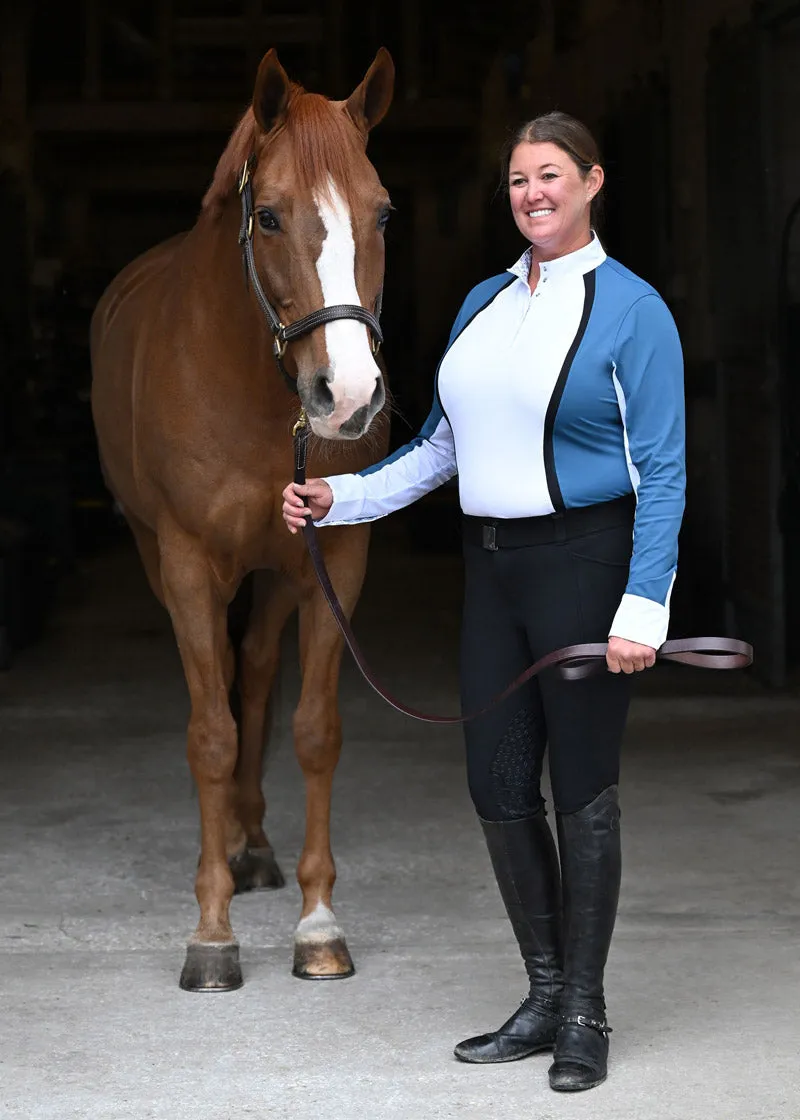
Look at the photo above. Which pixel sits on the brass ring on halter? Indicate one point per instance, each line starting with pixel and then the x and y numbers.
pixel 245 175
pixel 279 346
pixel 250 227
pixel 376 345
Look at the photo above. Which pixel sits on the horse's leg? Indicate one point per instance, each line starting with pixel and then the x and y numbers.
pixel 197 600
pixel 274 599
pixel 320 950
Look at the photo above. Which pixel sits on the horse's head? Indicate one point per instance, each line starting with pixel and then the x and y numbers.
pixel 319 216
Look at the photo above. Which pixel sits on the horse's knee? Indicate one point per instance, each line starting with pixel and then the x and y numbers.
pixel 318 739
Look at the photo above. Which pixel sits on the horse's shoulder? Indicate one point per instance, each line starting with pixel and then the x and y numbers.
pixel 135 277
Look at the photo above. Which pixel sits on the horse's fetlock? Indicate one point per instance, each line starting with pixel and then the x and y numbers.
pixel 317 872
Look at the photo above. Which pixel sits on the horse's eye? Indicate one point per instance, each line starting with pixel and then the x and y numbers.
pixel 267 221
pixel 383 217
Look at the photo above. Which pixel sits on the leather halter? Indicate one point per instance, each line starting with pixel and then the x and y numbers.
pixel 284 333
pixel 573 662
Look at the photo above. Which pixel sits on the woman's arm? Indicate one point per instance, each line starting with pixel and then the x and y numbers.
pixel 410 472
pixel 649 377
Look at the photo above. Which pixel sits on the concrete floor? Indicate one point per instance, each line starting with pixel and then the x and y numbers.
pixel 98 833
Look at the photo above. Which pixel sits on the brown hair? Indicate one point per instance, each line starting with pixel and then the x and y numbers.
pixel 566 133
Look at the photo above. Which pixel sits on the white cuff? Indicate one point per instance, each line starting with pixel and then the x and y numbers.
pixel 348 501
pixel 641 620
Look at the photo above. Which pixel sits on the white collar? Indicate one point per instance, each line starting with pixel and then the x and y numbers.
pixel 582 260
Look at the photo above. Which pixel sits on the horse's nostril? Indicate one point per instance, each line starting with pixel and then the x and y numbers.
pixel 356 425
pixel 379 396
pixel 321 396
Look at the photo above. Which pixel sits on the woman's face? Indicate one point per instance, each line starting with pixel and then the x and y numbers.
pixel 550 199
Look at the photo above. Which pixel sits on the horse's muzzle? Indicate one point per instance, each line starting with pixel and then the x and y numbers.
pixel 321 408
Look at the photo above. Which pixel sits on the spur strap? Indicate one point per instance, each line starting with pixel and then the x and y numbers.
pixel 584 1021
pixel 573 662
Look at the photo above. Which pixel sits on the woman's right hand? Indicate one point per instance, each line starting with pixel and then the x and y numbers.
pixel 314 497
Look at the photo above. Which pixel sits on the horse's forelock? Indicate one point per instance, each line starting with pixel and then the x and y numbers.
pixel 323 142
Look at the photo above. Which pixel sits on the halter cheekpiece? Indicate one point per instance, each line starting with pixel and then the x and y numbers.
pixel 283 334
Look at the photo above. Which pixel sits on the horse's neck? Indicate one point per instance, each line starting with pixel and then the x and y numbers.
pixel 217 275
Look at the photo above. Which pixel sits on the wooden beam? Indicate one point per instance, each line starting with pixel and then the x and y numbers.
pixel 435 114
pixel 204 31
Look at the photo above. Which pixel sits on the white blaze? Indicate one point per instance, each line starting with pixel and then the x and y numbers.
pixel 354 370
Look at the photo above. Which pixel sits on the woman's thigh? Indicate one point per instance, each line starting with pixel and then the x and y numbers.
pixel 505 747
pixel 571 598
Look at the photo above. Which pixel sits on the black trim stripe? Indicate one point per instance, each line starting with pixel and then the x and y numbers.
pixel 553 488
pixel 474 315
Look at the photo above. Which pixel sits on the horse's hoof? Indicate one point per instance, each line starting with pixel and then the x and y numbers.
pixel 327 960
pixel 211 968
pixel 255 869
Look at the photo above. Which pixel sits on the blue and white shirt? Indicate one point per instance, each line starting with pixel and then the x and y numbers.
pixel 565 397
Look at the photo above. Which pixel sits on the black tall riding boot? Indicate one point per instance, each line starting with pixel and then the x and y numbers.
pixel 591 864
pixel 525 864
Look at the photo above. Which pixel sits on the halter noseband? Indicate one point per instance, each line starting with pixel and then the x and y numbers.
pixel 284 334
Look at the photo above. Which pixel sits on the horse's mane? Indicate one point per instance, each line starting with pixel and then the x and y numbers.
pixel 322 139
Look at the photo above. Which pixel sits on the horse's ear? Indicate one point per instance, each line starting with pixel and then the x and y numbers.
pixel 369 102
pixel 271 93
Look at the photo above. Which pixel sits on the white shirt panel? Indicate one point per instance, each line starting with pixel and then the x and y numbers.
pixel 495 385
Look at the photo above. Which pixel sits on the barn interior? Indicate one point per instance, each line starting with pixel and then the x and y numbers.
pixel 114 113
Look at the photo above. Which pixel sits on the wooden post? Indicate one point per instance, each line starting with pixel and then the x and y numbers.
pixel 254 48
pixel 92 84
pixel 164 17
pixel 15 231
pixel 412 85
pixel 332 47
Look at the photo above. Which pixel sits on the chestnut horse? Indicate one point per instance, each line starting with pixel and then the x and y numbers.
pixel 194 423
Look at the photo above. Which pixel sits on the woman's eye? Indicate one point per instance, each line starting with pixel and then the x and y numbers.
pixel 517 182
pixel 267 221
pixel 549 175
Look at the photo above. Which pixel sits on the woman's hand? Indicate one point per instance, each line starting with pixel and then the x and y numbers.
pixel 629 657
pixel 315 497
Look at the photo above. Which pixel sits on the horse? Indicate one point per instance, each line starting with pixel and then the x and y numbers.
pixel 194 419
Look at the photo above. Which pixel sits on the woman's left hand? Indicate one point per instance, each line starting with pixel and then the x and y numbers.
pixel 629 657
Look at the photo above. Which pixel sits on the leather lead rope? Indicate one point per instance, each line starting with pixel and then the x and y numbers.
pixel 573 662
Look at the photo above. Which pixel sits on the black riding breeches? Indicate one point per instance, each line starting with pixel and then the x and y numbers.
pixel 521 603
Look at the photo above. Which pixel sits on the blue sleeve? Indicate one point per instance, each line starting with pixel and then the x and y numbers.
pixel 648 372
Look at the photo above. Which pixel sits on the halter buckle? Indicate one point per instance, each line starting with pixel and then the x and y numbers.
pixel 279 345
pixel 375 343
pixel 302 422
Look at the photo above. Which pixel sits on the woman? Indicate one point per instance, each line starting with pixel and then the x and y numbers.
pixel 559 403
